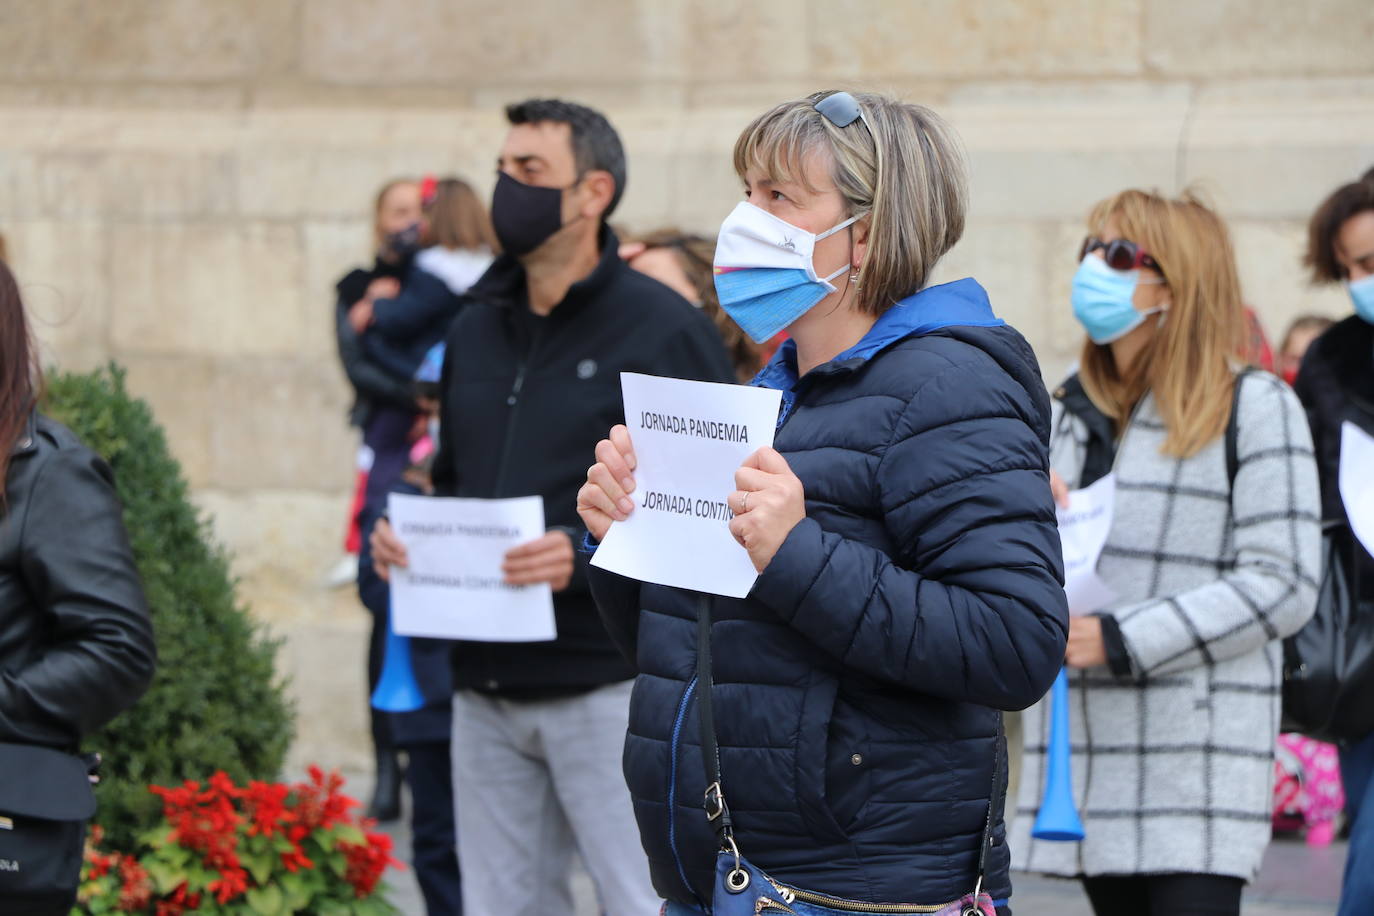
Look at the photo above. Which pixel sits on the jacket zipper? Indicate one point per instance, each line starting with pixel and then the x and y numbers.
pixel 508 442
pixel 854 906
pixel 513 402
pixel 672 779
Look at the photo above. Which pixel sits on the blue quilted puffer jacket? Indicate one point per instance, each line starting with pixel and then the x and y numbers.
pixel 858 688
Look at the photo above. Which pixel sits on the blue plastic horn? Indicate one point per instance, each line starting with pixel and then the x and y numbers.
pixel 1058 817
pixel 397 690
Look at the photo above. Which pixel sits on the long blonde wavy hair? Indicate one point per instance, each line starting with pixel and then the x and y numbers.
pixel 1187 362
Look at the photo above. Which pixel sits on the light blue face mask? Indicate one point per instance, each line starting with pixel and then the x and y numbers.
pixel 1362 294
pixel 1102 300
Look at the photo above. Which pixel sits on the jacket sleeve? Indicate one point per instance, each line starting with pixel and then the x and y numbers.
pixel 1272 590
pixel 76 562
pixel 423 303
pixel 617 599
pixel 443 472
pixel 972 608
pixel 368 379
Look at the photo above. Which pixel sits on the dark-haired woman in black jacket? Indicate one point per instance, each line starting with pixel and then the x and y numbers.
pixel 76 645
pixel 1336 385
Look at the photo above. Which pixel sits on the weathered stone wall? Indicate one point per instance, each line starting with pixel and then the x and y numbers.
pixel 181 182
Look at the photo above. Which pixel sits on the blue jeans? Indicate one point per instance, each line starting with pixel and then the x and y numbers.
pixel 1357 766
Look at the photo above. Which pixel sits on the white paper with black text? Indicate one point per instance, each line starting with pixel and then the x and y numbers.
pixel 1083 530
pixel 689 438
pixel 1357 481
pixel 454 588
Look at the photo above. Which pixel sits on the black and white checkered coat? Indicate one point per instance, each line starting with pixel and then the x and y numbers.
pixel 1173 767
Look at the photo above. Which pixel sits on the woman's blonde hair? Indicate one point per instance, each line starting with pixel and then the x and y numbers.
pixel 900 165
pixel 1187 362
pixel 458 218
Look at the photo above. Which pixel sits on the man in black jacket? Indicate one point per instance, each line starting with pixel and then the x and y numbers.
pixel 531 383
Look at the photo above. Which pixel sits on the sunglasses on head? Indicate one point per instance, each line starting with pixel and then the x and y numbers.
pixel 1119 254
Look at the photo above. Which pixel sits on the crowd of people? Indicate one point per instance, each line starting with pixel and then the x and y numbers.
pixel 833 742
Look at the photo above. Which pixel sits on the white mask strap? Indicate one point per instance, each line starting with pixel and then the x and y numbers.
pixel 836 273
pixel 829 232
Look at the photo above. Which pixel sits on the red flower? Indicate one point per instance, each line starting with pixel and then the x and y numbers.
pixel 368 862
pixel 136 890
pixel 231 883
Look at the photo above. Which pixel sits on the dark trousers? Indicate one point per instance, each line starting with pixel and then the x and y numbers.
pixel 1164 895
pixel 434 838
pixel 58 905
pixel 387 434
pixel 1357 775
pixel 376 656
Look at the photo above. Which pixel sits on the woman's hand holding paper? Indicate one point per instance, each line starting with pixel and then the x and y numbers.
pixel 769 503
pixel 605 497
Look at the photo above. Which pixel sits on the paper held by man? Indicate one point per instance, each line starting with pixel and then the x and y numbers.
pixel 454 587
pixel 689 439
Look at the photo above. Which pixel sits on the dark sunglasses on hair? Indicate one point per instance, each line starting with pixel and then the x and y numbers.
pixel 839 108
pixel 1119 254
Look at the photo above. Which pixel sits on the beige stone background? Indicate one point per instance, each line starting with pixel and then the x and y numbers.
pixel 181 182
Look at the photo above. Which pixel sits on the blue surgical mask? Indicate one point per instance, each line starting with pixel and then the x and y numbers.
pixel 1103 300
pixel 765 278
pixel 1362 294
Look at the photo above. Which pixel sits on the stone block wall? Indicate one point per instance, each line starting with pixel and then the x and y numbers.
pixel 181 182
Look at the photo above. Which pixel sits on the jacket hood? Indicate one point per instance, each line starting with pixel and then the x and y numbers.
pixel 960 310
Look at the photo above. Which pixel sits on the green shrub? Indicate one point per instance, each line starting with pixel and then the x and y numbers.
pixel 215 702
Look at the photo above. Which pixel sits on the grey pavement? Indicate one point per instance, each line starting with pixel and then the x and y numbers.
pixel 1295 881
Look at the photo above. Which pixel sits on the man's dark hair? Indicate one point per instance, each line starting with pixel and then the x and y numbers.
pixel 595 144
pixel 1346 201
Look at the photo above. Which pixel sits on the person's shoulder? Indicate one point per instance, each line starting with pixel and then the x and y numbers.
pixel 1263 391
pixel 1348 340
pixel 649 298
pixel 914 361
pixel 47 448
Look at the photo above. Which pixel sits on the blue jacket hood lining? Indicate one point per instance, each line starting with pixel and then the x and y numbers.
pixel 962 303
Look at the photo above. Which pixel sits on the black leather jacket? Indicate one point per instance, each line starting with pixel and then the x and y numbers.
pixel 76 643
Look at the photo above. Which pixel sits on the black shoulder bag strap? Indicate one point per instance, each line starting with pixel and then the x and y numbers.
pixel 718 812
pixel 1233 430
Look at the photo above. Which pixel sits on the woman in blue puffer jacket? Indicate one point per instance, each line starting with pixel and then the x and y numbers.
pixel 904 532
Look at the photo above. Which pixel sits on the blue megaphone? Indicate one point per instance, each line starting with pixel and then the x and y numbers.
pixel 1058 817
pixel 397 690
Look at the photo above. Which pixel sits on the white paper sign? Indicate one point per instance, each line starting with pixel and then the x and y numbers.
pixel 454 588
pixel 1357 481
pixel 1083 530
pixel 689 439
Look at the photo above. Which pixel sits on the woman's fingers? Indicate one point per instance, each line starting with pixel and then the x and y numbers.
pixel 620 437
pixel 1060 490
pixel 620 505
pixel 609 456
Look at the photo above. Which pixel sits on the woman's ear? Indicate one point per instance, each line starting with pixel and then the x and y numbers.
pixel 859 249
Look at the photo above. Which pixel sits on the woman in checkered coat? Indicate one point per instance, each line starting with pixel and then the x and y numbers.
pixel 1174 686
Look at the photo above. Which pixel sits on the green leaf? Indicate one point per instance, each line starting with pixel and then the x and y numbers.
pixel 296 892
pixel 165 876
pixel 347 833
pixel 259 865
pixel 266 901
